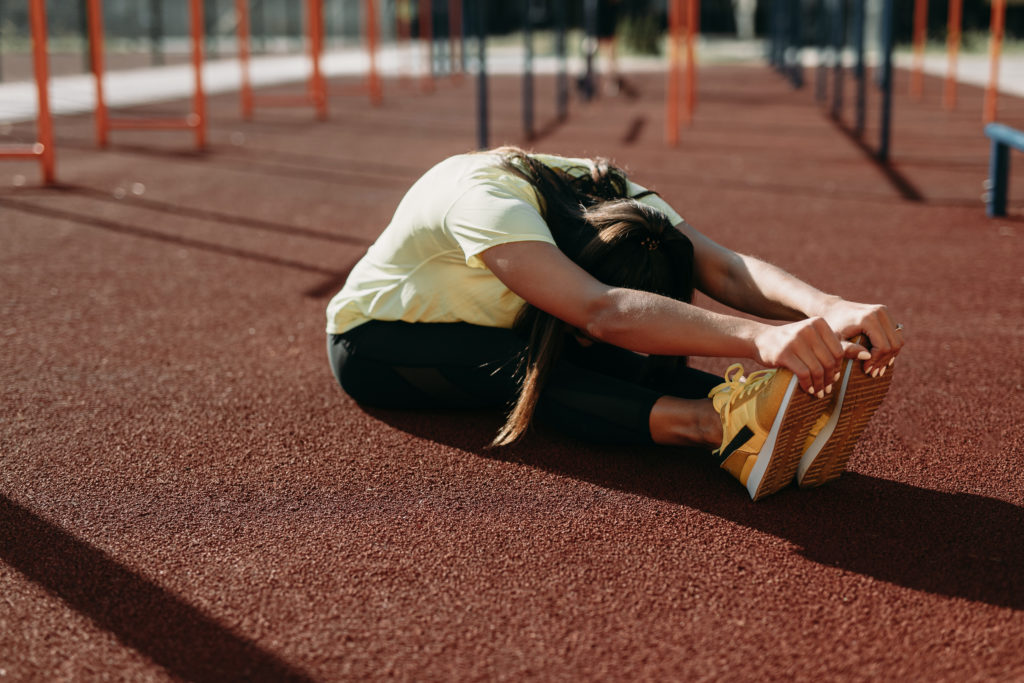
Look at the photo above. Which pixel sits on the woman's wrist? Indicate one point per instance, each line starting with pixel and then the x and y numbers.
pixel 824 304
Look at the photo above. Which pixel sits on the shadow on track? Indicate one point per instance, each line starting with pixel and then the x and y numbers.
pixel 953 544
pixel 182 639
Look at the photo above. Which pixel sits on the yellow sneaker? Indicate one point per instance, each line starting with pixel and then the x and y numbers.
pixel 766 420
pixel 829 448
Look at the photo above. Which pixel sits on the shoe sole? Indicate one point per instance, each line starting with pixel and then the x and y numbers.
pixel 779 457
pixel 859 398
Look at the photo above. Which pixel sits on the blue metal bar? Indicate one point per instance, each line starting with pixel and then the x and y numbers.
pixel 859 70
pixel 796 39
pixel 821 82
pixel 481 79
pixel 839 41
pixel 999 178
pixel 528 68
pixel 562 84
pixel 589 82
pixel 156 31
pixel 887 44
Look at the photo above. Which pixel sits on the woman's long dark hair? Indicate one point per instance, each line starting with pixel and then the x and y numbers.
pixel 614 237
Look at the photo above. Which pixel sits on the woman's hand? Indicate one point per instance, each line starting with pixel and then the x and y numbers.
pixel 809 348
pixel 850 319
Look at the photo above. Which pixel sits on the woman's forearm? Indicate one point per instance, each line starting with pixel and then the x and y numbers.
pixel 767 291
pixel 649 323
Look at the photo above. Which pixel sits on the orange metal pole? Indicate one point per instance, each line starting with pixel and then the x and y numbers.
pixel 427 36
pixel 672 98
pixel 953 47
pixel 96 55
pixel 198 117
pixel 371 46
pixel 995 51
pixel 47 159
pixel 242 8
pixel 316 34
pixel 455 36
pixel 693 14
pixel 920 35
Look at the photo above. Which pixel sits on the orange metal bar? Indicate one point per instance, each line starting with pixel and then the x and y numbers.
pixel 43 148
pixel 953 47
pixel 243 31
pixel 920 35
pixel 96 55
pixel 47 159
pixel 33 151
pixel 692 19
pixel 672 98
pixel 995 51
pixel 455 36
pixel 371 46
pixel 318 88
pixel 151 124
pixel 427 36
pixel 197 119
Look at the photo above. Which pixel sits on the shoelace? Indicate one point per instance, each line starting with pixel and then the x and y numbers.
pixel 738 385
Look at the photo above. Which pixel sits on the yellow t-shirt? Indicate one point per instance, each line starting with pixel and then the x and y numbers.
pixel 425 266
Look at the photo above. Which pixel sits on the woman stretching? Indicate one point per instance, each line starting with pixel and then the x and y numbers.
pixel 559 289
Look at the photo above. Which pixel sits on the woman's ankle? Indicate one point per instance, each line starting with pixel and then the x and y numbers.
pixel 685 422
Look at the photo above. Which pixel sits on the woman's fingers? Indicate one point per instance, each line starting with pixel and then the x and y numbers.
pixel 886 341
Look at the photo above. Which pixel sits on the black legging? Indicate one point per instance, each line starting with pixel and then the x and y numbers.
pixel 598 393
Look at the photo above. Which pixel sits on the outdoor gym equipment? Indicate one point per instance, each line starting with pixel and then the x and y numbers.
pixel 316 94
pixel 42 149
pixel 1003 138
pixel 954 33
pixel 195 121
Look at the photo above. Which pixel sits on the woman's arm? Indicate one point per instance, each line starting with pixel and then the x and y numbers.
pixel 648 323
pixel 753 286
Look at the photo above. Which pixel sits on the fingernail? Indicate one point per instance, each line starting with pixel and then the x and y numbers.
pixel 811 391
pixel 864 355
pixel 837 376
pixel 867 369
pixel 882 374
pixel 828 389
pixel 874 373
pixel 892 361
pixel 820 394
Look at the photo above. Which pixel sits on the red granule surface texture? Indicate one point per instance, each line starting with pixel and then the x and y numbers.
pixel 185 493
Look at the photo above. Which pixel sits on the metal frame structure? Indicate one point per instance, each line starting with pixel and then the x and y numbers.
pixel 317 93
pixel 194 121
pixel 43 148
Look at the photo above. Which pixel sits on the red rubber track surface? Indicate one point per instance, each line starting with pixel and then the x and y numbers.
pixel 186 494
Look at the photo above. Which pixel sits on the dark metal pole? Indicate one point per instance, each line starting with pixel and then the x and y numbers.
pixel 562 84
pixel 858 37
pixel 589 82
pixel 259 23
pixel 156 31
pixel 292 20
pixel 481 79
pixel 821 83
pixel 210 27
pixel 839 40
pixel 528 69
pixel 83 30
pixel 796 38
pixel 887 41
